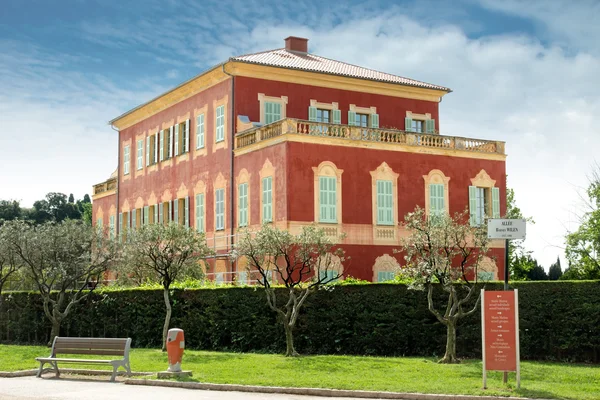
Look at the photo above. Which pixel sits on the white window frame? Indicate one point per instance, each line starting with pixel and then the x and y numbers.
pixel 220 123
pixel 140 154
pixel 200 131
pixel 220 209
pixel 126 160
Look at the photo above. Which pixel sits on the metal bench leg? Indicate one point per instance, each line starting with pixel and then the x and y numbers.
pixel 114 374
pixel 55 365
pixel 39 374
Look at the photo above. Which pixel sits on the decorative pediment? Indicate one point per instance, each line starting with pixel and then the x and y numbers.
pixel 482 179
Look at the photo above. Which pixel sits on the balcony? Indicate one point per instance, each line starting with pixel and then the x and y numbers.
pixel 106 187
pixel 393 137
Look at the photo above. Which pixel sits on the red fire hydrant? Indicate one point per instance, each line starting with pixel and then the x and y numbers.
pixel 175 347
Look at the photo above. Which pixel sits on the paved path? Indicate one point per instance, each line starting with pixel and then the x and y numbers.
pixel 30 388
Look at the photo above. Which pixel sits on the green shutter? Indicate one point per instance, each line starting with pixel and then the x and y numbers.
pixel 337 117
pixel 147 150
pixel 351 118
pixel 374 120
pixel 133 218
pixel 408 124
pixel 200 212
pixel 429 125
pixel 267 199
pixel 384 203
pixel 472 205
pixel 176 211
pixel 146 215
pixel 187 211
pixel 495 202
pixel 327 199
pixel 312 113
pixel 120 227
pixel 176 139
pixel 156 213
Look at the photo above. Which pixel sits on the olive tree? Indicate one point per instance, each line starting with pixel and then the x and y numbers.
pixel 302 263
pixel 165 253
pixel 9 263
pixel 65 261
pixel 447 251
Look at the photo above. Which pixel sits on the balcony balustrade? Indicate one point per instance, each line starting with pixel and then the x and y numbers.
pixel 292 126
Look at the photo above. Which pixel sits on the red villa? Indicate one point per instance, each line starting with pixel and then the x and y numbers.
pixel 293 138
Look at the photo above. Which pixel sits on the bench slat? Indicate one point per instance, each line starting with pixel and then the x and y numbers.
pixel 75 360
pixel 92 345
pixel 91 351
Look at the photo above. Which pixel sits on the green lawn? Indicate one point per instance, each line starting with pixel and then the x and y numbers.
pixel 538 380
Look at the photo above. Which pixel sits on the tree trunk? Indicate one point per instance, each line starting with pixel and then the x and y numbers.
pixel 55 330
pixel 290 351
pixel 450 356
pixel 167 319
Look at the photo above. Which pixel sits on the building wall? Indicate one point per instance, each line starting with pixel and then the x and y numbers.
pixel 357 162
pixel 104 207
pixel 391 110
pixel 178 177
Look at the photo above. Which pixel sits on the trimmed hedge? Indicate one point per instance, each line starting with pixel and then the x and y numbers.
pixel 558 320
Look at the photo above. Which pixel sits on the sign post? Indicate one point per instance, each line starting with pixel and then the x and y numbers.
pixel 506 229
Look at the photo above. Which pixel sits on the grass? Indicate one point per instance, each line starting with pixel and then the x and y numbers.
pixel 423 375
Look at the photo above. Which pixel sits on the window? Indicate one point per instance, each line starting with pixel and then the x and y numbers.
pixel 436 199
pixel 126 160
pixel 200 131
pixel 146 215
pixel 166 143
pixel 140 153
pixel 242 278
pixel 267 199
pixel 328 275
pixel 417 126
pixel 327 199
pixel 485 276
pixel 385 211
pixel 152 149
pixel 243 204
pixel 385 276
pixel 272 112
pixel 181 211
pixel 200 212
pixel 483 203
pixel 182 137
pixel 220 123
pixel 220 209
pixel 420 123
pixel 323 115
pixel 327 193
pixel 361 120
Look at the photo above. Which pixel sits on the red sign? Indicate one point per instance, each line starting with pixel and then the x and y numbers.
pixel 500 336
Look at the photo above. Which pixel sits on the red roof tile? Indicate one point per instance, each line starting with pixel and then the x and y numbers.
pixel 309 62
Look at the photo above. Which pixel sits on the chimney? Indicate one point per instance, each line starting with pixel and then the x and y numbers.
pixel 293 43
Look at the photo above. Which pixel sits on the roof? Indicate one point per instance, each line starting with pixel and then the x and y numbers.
pixel 310 62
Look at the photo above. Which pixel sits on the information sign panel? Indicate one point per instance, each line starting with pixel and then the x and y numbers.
pixel 506 228
pixel 500 332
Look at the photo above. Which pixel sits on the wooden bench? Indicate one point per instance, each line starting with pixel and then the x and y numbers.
pixel 90 346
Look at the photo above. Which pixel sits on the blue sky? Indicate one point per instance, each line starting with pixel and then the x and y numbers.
pixel 522 71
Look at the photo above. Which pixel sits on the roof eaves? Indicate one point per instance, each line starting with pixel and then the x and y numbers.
pixel 445 89
pixel 112 121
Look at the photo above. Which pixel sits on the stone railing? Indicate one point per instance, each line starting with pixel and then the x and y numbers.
pixel 378 135
pixel 106 186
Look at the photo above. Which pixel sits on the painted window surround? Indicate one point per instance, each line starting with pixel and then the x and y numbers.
pixel 223 144
pixel 200 188
pixel 262 98
pixel 483 180
pixel 243 177
pixel 202 151
pixel 220 183
pixel 268 170
pixel 324 106
pixel 435 176
pixel 384 233
pixel 385 263
pixel 327 168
